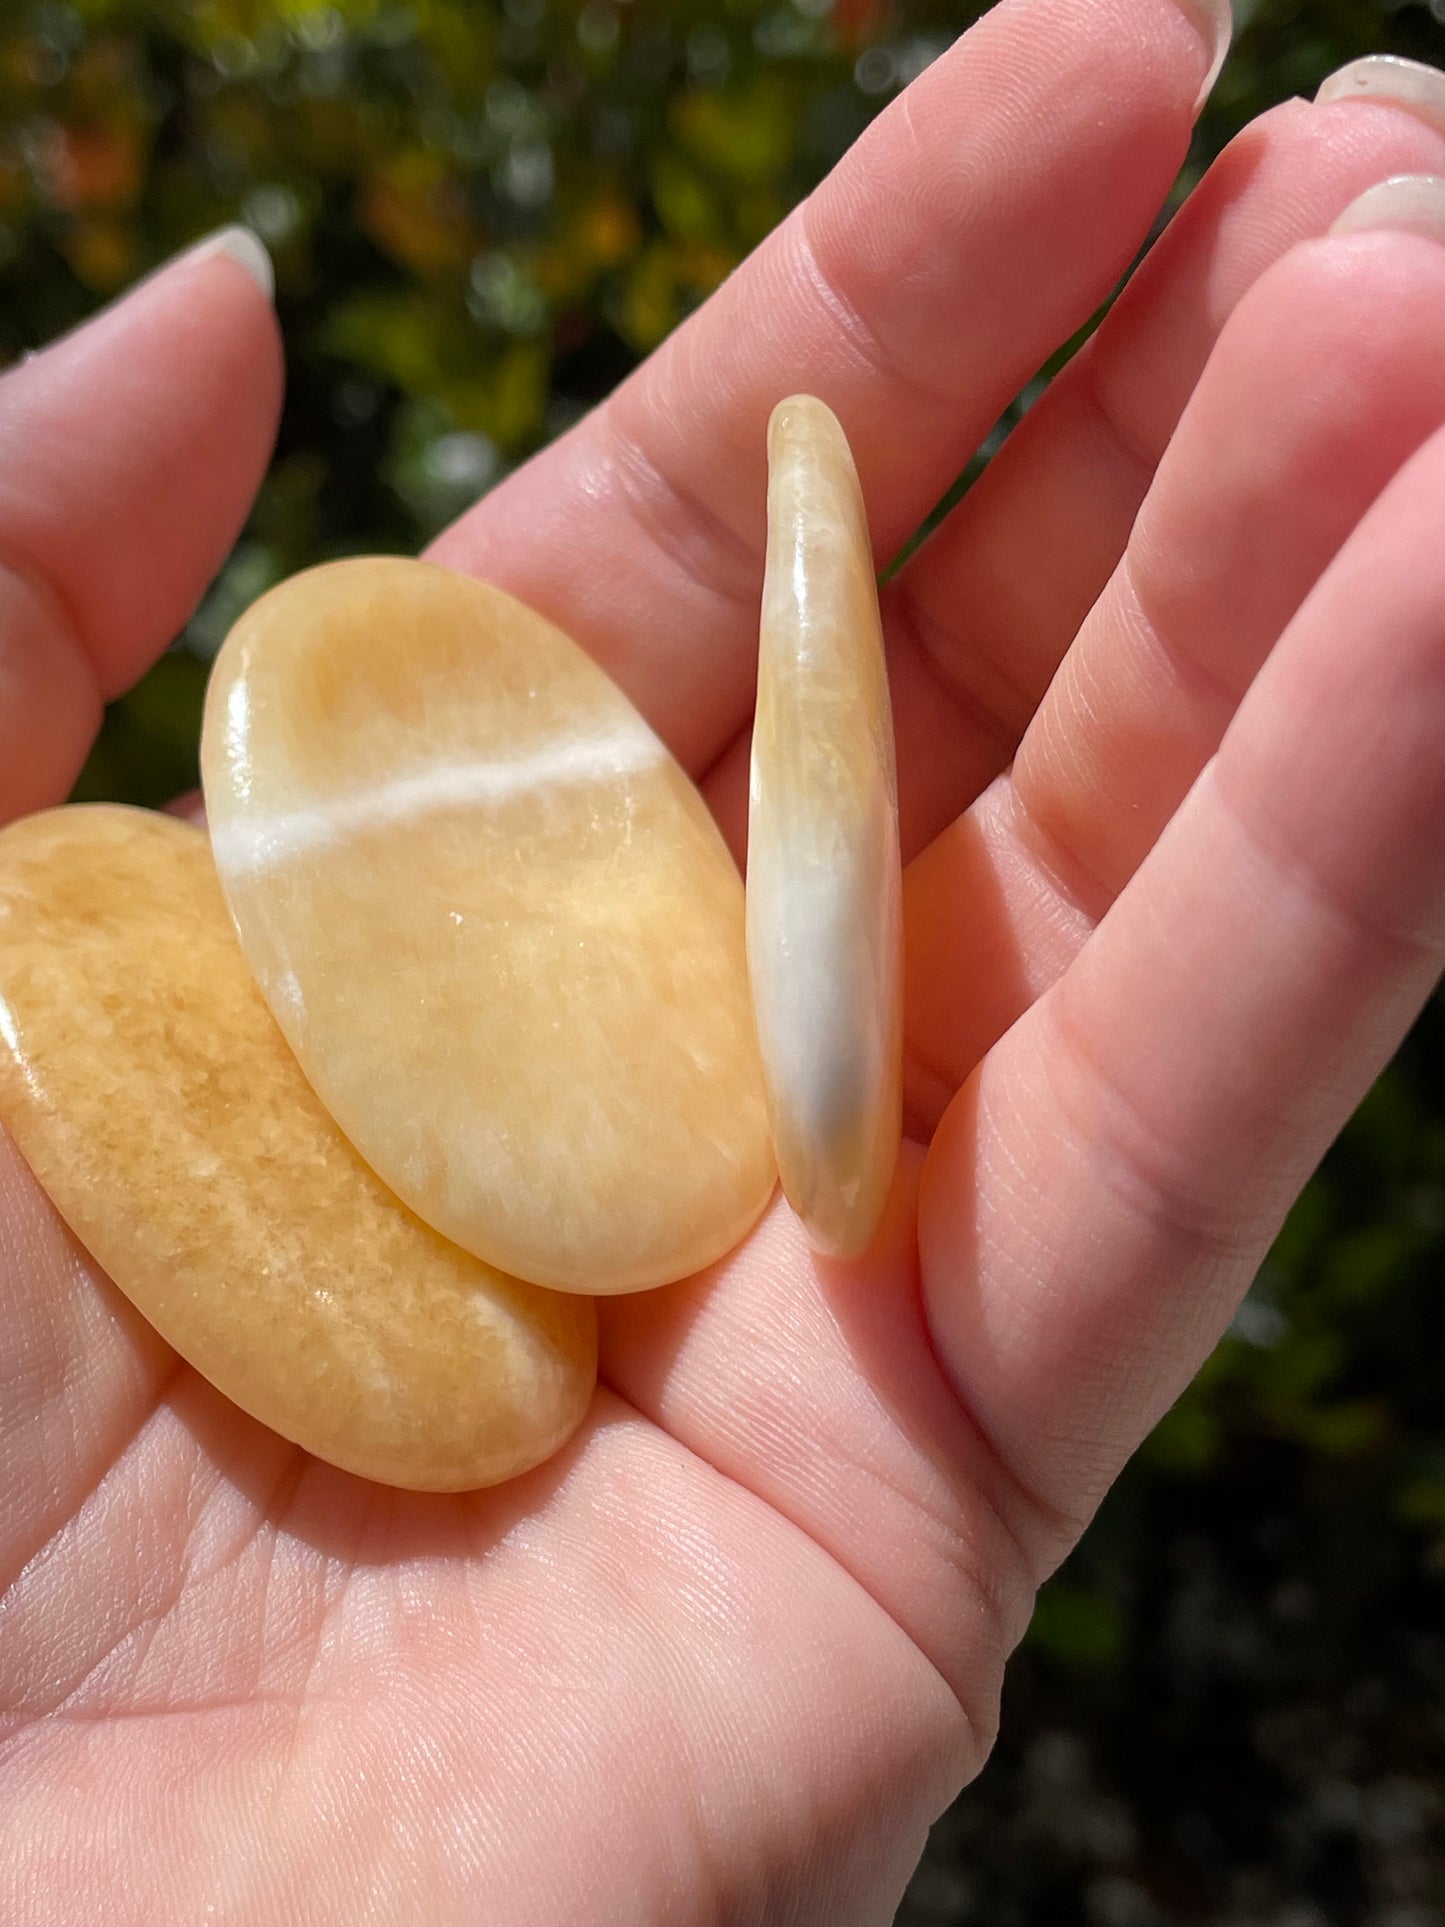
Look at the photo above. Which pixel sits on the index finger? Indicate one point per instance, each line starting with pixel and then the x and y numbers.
pixel 974 226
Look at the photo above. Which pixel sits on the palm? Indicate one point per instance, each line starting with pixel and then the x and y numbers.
pixel 241 1630
pixel 727 1655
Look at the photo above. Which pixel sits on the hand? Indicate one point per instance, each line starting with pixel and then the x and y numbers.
pixel 727 1656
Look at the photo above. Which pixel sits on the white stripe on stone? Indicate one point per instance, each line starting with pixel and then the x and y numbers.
pixel 262 842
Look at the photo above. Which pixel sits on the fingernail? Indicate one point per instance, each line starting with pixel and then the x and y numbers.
pixel 1398 83
pixel 240 245
pixel 1215 20
pixel 1412 203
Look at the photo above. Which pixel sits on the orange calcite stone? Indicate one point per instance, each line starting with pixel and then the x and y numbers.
pixel 824 879
pixel 147 1085
pixel 495 921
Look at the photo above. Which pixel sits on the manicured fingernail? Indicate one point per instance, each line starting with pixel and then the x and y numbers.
pixel 1414 203
pixel 1215 20
pixel 243 247
pixel 1397 83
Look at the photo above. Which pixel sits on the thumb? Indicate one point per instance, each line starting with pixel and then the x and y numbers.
pixel 130 451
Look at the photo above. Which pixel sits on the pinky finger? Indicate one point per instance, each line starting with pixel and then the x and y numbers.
pixel 1102 1190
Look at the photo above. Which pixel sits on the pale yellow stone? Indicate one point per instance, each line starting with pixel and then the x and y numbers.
pixel 147 1085
pixel 495 921
pixel 824 882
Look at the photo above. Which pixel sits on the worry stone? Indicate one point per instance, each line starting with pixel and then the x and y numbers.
pixel 149 1088
pixel 495 921
pixel 824 881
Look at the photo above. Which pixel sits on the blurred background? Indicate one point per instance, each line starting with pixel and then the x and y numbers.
pixel 1231 1705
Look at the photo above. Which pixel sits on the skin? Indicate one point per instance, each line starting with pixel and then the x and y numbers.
pixel 1169 912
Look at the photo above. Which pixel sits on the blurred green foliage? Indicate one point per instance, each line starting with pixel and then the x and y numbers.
pixel 1231 1706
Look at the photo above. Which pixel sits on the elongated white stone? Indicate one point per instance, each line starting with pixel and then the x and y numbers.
pixel 824 883
pixel 494 920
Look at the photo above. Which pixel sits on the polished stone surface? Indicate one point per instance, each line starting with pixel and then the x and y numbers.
pixel 148 1087
pixel 495 921
pixel 824 882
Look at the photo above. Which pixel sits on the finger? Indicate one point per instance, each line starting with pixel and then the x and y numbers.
pixel 1027 162
pixel 980 620
pixel 132 450
pixel 1102 1190
pixel 1325 381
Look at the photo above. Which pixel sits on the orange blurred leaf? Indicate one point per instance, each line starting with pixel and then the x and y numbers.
pixel 95 166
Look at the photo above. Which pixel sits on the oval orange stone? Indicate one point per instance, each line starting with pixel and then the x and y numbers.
pixel 495 921
pixel 148 1087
